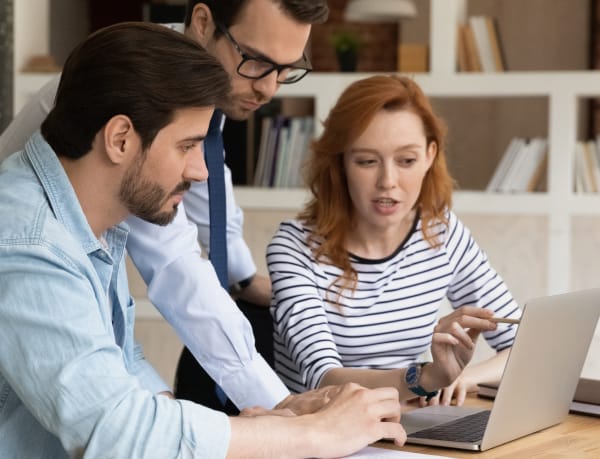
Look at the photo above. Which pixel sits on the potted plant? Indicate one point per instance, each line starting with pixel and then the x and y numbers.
pixel 346 44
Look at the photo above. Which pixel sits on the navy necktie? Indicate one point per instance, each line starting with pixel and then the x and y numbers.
pixel 213 154
pixel 217 248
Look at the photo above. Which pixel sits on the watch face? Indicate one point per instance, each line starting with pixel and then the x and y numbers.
pixel 412 374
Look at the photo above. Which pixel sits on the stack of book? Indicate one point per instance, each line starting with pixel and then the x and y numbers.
pixel 479 48
pixel 586 167
pixel 522 167
pixel 284 144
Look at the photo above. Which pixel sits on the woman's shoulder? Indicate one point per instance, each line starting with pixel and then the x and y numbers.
pixel 445 223
pixel 294 226
pixel 444 228
pixel 292 232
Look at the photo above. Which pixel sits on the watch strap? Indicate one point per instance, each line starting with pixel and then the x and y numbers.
pixel 241 285
pixel 413 379
pixel 418 390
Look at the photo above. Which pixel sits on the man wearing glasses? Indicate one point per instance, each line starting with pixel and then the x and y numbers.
pixel 261 45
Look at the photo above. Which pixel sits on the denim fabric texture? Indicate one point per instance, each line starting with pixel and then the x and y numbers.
pixel 72 380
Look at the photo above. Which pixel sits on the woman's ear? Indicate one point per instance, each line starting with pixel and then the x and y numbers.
pixel 120 139
pixel 430 154
pixel 202 26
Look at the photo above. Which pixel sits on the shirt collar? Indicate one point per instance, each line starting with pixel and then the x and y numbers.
pixel 61 195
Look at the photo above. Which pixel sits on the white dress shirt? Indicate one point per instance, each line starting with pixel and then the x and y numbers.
pixel 181 284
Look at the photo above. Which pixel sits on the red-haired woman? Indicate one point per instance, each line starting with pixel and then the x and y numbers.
pixel 358 278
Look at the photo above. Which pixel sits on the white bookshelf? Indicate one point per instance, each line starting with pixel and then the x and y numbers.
pixel 548 225
pixel 562 89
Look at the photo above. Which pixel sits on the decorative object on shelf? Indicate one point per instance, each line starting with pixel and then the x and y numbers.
pixel 413 57
pixel 346 43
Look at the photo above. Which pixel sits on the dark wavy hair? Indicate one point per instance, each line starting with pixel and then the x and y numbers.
pixel 225 12
pixel 141 70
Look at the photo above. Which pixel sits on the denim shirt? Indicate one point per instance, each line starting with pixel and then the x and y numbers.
pixel 72 380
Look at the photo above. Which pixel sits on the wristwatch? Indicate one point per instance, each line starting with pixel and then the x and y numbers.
pixel 412 377
pixel 241 285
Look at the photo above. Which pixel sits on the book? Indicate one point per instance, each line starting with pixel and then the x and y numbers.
pixel 522 167
pixel 533 156
pixel 537 180
pixel 262 150
pixel 504 166
pixel 472 54
pixel 296 141
pixel 280 159
pixel 495 44
pixel 483 43
pixel 585 401
pixel 589 168
pixel 511 179
pixel 579 185
pixel 462 53
pixel 276 138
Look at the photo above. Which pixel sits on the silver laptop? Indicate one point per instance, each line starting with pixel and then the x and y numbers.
pixel 537 386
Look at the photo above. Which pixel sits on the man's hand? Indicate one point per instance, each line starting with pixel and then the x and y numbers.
pixel 352 418
pixel 310 401
pixel 357 416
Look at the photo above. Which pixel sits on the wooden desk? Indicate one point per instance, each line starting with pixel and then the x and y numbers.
pixel 577 437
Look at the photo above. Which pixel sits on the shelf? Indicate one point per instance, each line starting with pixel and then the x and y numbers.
pixel 587 204
pixel 581 83
pixel 254 198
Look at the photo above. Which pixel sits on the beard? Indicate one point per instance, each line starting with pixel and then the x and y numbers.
pixel 145 199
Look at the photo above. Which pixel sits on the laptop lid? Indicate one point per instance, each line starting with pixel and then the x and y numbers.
pixel 540 377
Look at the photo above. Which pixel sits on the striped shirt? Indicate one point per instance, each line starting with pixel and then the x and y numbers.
pixel 388 321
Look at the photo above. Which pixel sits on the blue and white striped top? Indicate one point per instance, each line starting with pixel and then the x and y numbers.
pixel 388 321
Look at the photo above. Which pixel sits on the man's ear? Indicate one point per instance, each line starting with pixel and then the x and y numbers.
pixel 202 26
pixel 120 139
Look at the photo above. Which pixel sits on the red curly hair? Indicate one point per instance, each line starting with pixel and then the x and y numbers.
pixel 330 209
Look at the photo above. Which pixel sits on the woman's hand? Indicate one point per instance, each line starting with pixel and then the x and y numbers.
pixel 453 345
pixel 456 391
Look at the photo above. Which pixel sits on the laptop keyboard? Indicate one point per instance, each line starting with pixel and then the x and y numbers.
pixel 469 429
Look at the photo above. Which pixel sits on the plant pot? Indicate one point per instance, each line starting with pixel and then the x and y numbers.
pixel 347 61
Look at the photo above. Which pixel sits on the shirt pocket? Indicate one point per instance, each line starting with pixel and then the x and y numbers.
pixel 128 338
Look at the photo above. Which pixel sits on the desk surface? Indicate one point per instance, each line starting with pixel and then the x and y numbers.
pixel 577 437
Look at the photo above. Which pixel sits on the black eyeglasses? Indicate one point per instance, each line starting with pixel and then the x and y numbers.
pixel 255 68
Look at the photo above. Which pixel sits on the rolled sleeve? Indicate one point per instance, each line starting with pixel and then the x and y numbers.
pixel 255 374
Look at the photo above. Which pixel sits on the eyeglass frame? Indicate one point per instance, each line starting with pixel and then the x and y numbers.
pixel 274 66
